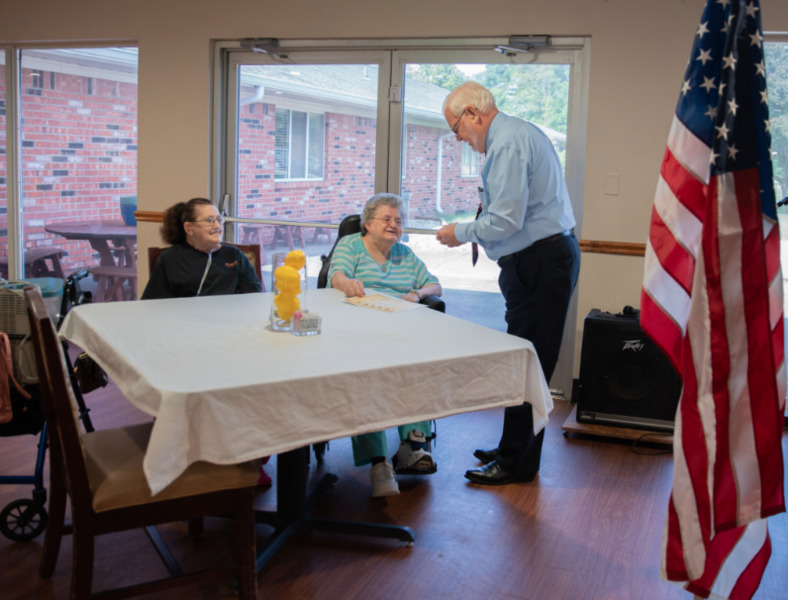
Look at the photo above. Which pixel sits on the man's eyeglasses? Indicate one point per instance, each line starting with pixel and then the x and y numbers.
pixel 211 221
pixel 456 126
pixel 388 220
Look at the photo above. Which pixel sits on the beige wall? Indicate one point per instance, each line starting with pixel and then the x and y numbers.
pixel 639 50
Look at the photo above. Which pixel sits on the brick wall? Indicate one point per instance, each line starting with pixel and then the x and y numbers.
pixel 79 155
pixel 348 178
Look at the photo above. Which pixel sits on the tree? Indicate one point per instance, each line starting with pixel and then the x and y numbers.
pixel 446 76
pixel 538 93
pixel 776 59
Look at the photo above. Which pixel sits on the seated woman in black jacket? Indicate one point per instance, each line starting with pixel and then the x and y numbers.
pixel 197 263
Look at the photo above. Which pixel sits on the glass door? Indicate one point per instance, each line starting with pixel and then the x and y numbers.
pixel 439 176
pixel 304 146
pixel 312 134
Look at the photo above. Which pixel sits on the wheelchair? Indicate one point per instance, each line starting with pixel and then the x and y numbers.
pixel 349 225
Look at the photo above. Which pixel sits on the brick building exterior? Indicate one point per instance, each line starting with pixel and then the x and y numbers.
pixel 79 156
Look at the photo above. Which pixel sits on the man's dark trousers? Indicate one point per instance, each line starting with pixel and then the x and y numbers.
pixel 537 285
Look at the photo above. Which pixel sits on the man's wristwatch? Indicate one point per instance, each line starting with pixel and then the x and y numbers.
pixel 417 293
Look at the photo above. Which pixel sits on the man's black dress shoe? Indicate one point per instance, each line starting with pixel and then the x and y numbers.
pixel 486 456
pixel 494 474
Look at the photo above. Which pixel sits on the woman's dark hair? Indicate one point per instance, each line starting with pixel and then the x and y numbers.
pixel 172 230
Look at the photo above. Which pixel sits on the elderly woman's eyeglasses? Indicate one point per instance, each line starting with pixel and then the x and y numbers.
pixel 455 128
pixel 388 220
pixel 211 221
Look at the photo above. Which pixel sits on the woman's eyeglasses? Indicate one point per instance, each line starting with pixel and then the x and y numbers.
pixel 389 220
pixel 211 221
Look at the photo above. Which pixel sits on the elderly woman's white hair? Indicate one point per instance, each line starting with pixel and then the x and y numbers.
pixel 469 93
pixel 372 205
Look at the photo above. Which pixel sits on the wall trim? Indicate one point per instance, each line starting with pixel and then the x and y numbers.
pixel 591 246
pixel 620 248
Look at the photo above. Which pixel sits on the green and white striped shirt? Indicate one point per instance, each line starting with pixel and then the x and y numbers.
pixel 402 272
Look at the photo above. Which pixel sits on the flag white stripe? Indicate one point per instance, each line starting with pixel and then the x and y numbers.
pixel 685 227
pixel 689 150
pixel 741 445
pixel 749 545
pixel 667 293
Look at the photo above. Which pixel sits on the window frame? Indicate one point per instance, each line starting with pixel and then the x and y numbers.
pixel 391 56
pixel 470 162
pixel 307 156
pixel 14 54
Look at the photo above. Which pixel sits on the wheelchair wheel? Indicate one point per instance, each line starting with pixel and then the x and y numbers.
pixel 22 520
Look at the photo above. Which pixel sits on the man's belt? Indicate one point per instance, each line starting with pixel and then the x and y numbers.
pixel 552 238
pixel 536 244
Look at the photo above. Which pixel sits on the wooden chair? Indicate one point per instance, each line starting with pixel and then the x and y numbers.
pixel 101 473
pixel 252 252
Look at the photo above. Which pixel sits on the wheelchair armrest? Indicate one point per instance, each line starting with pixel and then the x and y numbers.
pixel 434 302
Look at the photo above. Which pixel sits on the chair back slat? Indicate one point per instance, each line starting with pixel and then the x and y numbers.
pixel 153 256
pixel 254 254
pixel 60 404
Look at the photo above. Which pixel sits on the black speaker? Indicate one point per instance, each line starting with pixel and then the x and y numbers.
pixel 625 380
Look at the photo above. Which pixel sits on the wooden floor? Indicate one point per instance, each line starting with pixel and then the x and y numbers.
pixel 589 527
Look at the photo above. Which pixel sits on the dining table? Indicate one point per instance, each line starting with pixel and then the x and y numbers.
pixel 116 244
pixel 224 387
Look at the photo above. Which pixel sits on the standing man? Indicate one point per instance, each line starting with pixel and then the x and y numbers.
pixel 525 224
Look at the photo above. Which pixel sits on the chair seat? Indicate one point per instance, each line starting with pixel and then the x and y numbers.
pixel 114 466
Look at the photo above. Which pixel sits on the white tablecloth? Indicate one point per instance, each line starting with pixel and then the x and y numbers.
pixel 225 388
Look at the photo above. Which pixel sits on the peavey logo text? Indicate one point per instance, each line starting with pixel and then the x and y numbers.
pixel 634 345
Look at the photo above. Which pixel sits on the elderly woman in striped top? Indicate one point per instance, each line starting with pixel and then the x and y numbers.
pixel 375 261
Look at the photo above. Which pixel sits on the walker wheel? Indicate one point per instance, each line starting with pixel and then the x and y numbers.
pixel 22 520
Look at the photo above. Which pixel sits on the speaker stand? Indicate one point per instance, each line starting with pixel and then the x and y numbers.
pixel 571 425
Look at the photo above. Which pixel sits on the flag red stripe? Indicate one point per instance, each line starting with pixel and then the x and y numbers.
pixel 687 189
pixel 762 390
pixel 673 257
pixel 724 481
pixel 718 551
pixel 675 568
pixel 693 451
pixel 750 578
pixel 663 330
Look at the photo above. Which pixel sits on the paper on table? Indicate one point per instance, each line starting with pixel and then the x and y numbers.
pixel 383 303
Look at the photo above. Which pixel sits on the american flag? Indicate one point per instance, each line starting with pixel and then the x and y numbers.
pixel 712 301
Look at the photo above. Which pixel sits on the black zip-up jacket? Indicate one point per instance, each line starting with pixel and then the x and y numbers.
pixel 180 268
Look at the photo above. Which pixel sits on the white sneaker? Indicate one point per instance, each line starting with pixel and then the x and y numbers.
pixel 412 457
pixel 383 481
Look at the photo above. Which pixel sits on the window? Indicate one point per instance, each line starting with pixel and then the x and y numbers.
pixel 470 162
pixel 72 147
pixel 299 144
